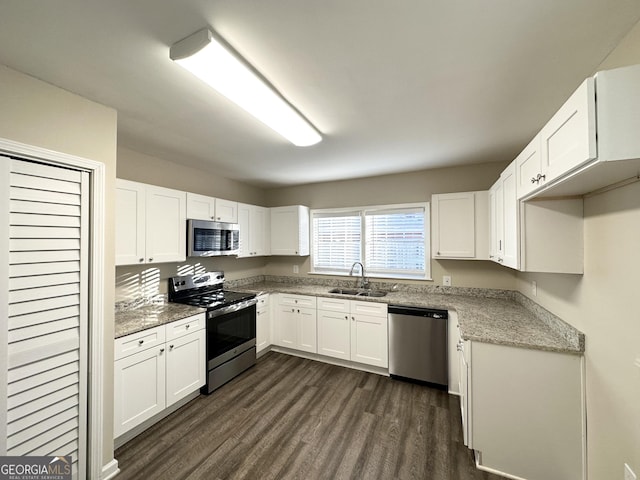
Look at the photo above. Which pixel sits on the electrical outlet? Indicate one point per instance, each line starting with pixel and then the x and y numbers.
pixel 628 473
pixel 296 269
pixel 446 280
pixel 534 288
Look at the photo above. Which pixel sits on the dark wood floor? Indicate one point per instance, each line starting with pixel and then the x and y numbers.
pixel 288 417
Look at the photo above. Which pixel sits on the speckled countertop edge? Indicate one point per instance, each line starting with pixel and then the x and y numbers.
pixel 142 315
pixel 498 317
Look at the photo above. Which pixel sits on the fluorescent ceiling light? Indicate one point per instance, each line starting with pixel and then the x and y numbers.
pixel 215 63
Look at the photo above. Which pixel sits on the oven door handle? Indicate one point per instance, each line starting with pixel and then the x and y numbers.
pixel 232 308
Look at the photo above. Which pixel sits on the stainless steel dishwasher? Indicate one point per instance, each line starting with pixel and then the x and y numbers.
pixel 418 344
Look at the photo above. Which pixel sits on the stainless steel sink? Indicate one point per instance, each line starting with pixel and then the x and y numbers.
pixel 358 292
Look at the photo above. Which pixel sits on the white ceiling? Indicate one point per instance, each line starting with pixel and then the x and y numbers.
pixel 392 85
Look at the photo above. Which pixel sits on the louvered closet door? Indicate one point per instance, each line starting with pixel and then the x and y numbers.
pixel 47 312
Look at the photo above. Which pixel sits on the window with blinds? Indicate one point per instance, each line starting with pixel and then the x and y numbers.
pixel 391 241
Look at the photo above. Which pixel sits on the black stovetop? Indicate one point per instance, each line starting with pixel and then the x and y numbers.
pixel 205 290
pixel 214 299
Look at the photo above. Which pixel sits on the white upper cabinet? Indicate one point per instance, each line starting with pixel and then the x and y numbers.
pixel 226 211
pixel 503 222
pixel 592 141
pixel 166 225
pixel 529 173
pixel 290 230
pixel 130 222
pixel 201 207
pixel 541 235
pixel 569 139
pixel 255 227
pixel 460 225
pixel 511 217
pixel 150 224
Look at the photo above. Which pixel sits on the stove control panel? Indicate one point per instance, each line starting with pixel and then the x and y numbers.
pixel 195 281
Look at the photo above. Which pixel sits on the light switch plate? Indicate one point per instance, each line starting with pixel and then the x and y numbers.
pixel 534 288
pixel 446 280
pixel 296 269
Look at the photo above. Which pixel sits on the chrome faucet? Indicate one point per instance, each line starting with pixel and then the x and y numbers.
pixel 364 282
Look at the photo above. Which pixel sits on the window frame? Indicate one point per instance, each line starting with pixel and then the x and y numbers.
pixel 363 210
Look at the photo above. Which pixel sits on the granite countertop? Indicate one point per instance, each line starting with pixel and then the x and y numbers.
pixel 490 320
pixel 143 317
pixel 501 321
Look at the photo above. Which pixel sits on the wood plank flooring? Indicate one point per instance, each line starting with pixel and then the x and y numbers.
pixel 292 418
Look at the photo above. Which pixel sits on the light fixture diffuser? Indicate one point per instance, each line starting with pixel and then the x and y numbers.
pixel 219 66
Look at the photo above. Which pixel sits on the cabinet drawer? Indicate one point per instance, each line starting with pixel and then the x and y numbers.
pixel 138 342
pixel 333 304
pixel 185 326
pixel 298 300
pixel 369 308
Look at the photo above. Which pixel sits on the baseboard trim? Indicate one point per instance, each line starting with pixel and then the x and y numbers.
pixel 332 361
pixel 479 466
pixel 110 470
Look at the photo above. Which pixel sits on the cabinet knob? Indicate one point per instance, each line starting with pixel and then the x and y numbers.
pixel 298 310
pixel 161 350
pixel 353 318
pixel 213 218
pixel 141 260
pixel 293 310
pixel 140 342
pixel 170 347
pixel 538 177
pixel 437 253
pixel 187 326
pixel 346 317
pixel 151 259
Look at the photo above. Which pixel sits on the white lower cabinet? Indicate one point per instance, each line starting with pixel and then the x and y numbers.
pixel 139 388
pixel 296 322
pixel 155 368
pixel 528 411
pixel 263 323
pixel 353 330
pixel 185 365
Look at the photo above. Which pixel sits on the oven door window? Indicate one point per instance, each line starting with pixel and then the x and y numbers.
pixel 230 330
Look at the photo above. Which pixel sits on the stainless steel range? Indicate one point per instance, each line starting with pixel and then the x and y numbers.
pixel 231 324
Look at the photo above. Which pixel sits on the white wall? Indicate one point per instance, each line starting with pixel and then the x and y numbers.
pixel 603 304
pixel 36 113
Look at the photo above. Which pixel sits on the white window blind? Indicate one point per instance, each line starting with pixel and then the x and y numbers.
pixel 395 242
pixel 391 241
pixel 337 241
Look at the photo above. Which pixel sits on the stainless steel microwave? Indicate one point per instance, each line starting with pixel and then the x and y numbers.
pixel 210 239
